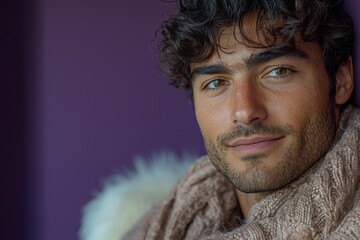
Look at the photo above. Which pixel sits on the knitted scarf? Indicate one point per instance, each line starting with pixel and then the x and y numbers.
pixel 324 203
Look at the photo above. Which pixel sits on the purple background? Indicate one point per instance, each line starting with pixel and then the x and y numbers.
pixel 101 101
pixel 86 96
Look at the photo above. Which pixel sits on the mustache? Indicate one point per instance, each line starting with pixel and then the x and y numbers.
pixel 249 130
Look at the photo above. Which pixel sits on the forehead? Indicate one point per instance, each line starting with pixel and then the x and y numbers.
pixel 251 34
pixel 234 46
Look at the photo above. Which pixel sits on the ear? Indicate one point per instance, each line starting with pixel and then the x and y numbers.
pixel 344 82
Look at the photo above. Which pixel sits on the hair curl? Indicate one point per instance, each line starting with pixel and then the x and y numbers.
pixel 191 35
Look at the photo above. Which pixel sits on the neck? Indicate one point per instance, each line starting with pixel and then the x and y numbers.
pixel 247 200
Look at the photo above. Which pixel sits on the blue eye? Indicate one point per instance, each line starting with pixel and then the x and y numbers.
pixel 214 84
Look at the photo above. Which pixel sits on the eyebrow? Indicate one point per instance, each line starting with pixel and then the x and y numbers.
pixel 263 57
pixel 254 59
pixel 209 69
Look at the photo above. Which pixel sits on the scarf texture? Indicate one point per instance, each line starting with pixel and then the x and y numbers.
pixel 324 203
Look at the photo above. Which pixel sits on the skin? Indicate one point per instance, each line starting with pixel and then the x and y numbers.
pixel 266 120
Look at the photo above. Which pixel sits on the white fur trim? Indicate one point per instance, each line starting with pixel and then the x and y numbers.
pixel 126 197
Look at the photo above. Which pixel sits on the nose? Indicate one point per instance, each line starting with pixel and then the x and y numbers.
pixel 248 104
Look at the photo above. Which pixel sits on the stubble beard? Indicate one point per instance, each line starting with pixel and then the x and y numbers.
pixel 305 148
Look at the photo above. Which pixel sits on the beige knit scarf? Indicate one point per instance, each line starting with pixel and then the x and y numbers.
pixel 323 204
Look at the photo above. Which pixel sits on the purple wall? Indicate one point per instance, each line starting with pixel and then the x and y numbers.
pixel 101 101
pixel 13 164
pixel 353 7
pixel 98 100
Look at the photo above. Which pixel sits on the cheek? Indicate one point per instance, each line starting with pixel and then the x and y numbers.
pixel 302 109
pixel 291 110
pixel 211 118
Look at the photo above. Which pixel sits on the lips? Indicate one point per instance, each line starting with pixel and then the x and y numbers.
pixel 254 145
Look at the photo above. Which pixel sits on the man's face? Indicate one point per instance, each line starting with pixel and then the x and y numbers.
pixel 266 116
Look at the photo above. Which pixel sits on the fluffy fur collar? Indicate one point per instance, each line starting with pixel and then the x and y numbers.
pixel 126 197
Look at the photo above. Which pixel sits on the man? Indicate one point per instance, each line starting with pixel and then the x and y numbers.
pixel 270 81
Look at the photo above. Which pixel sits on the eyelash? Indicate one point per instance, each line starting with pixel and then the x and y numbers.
pixel 224 82
pixel 215 88
pixel 288 71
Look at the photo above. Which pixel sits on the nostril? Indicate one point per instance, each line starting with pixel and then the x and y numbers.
pixel 249 115
pixel 247 103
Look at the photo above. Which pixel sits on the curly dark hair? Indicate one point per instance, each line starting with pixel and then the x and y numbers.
pixel 191 35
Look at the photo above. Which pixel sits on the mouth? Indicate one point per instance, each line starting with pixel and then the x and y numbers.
pixel 254 145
